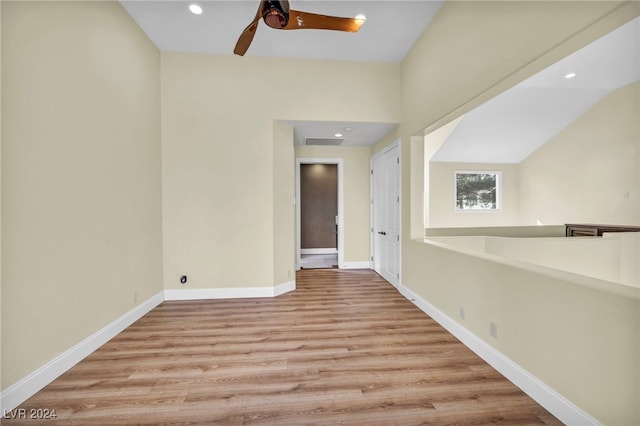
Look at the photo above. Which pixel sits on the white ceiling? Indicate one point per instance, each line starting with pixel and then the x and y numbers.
pixel 504 130
pixel 517 122
pixel 353 133
pixel 391 28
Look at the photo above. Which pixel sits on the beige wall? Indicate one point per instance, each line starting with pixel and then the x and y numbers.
pixel 503 43
pixel 582 342
pixel 1 386
pixel 589 172
pixel 81 196
pixel 357 192
pixel 284 219
pixel 218 153
pixel 474 48
pixel 442 196
pixel 88 204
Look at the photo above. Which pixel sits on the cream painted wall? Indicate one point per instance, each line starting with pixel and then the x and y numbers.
pixel 586 174
pixel 502 43
pixel 218 153
pixel 81 173
pixel 589 172
pixel 0 199
pixel 284 216
pixel 442 196
pixel 219 142
pixel 583 343
pixel 357 190
pixel 472 48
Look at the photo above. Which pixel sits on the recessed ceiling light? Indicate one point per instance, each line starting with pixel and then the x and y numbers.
pixel 360 19
pixel 570 75
pixel 195 9
pixel 338 135
pixel 348 129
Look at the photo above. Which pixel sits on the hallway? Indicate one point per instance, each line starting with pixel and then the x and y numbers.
pixel 344 348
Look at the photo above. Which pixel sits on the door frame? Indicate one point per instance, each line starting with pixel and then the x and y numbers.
pixel 384 151
pixel 339 163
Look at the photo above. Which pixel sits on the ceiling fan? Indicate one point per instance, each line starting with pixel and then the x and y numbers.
pixel 276 14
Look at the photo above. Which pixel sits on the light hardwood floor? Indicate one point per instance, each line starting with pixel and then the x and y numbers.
pixel 344 348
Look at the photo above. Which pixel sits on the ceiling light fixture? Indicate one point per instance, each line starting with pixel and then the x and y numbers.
pixel 360 19
pixel 570 75
pixel 195 9
pixel 338 135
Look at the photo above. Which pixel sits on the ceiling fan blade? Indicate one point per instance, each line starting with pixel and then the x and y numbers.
pixel 245 39
pixel 305 20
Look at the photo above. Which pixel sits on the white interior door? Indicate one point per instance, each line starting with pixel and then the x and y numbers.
pixel 386 214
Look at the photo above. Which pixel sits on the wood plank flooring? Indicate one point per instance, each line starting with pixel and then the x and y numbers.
pixel 344 348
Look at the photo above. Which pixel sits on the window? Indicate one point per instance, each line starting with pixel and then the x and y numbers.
pixel 477 191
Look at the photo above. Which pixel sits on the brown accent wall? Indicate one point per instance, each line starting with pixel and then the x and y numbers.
pixel 318 205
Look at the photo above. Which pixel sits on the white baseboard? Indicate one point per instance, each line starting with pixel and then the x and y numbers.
pixel 551 400
pixel 555 403
pixel 319 251
pixel 284 288
pixel 24 389
pixel 356 265
pixel 228 293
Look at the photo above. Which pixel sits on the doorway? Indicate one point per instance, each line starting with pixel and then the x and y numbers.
pixel 319 213
pixel 385 213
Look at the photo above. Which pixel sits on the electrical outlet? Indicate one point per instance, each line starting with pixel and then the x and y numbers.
pixel 493 329
pixel 462 313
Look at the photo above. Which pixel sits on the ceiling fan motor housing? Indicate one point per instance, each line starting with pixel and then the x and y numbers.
pixel 275 14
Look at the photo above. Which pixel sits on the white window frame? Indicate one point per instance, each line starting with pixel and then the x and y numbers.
pixel 498 175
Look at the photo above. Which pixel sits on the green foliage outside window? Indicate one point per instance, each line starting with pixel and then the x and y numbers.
pixel 476 191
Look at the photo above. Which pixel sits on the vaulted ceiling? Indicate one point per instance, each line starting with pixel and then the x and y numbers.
pixel 530 113
pixel 391 28
pixel 509 127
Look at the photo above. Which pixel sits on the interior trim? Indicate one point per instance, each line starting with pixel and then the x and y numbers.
pixel 357 265
pixel 228 293
pixel 319 251
pixel 29 385
pixel 551 400
pixel 314 160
